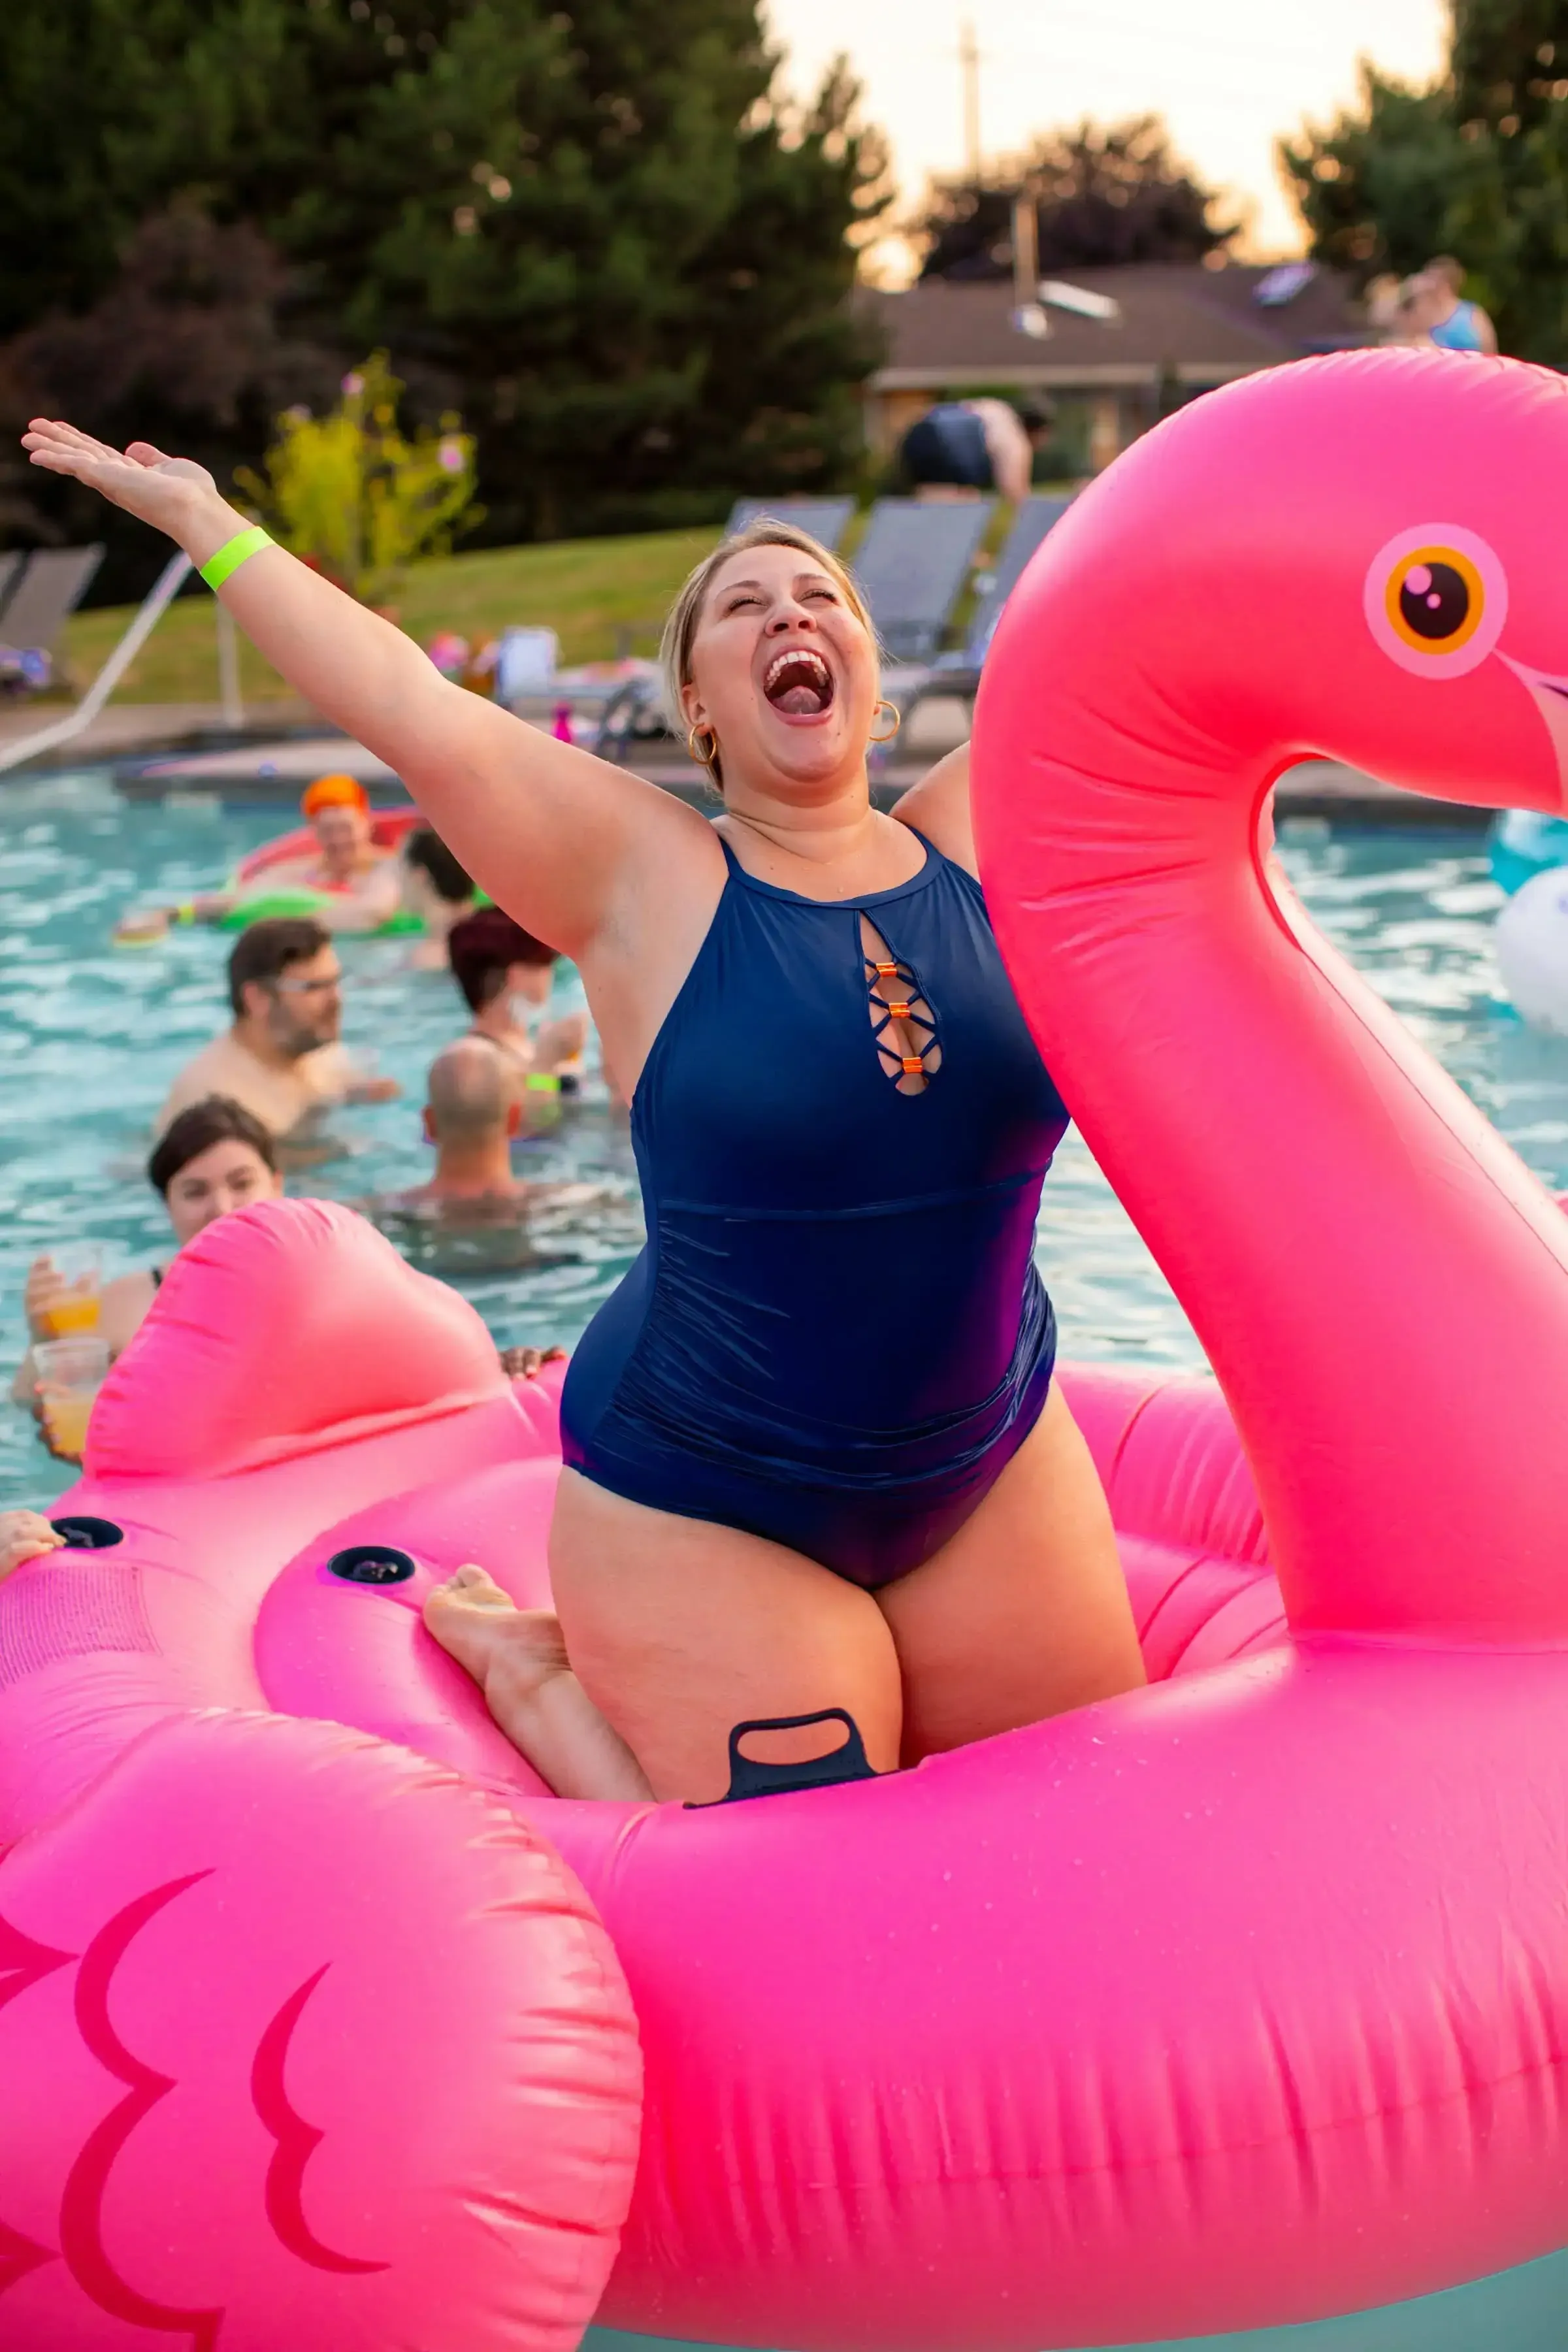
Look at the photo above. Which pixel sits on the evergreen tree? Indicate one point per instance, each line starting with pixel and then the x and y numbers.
pixel 1101 195
pixel 588 224
pixel 1509 216
pixel 1374 187
pixel 1477 166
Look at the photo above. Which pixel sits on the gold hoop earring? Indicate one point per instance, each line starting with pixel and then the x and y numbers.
pixel 887 734
pixel 704 759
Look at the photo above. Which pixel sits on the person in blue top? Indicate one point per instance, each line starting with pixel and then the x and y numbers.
pixel 814 1455
pixel 1439 313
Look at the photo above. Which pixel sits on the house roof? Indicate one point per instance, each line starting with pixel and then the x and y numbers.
pixel 1176 319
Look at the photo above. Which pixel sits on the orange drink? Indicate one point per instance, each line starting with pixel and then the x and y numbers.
pixel 72 1311
pixel 64 1420
pixel 69 1374
pixel 70 1304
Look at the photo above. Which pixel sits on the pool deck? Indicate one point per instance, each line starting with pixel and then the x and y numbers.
pixel 158 751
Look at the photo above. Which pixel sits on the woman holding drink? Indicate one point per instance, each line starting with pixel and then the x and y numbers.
pixel 213 1158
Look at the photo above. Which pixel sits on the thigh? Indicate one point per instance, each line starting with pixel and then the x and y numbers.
pixel 678 1630
pixel 1023 1612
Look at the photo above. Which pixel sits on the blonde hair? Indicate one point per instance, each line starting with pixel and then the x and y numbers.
pixel 680 628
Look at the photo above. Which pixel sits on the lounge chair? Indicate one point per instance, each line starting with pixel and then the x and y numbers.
pixel 959 672
pixel 41 600
pixel 912 566
pixel 826 520
pixel 10 572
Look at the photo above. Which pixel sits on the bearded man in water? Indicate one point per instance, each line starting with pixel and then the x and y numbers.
pixel 281 1055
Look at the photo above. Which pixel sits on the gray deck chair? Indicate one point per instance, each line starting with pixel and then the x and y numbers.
pixel 49 590
pixel 826 520
pixel 10 572
pixel 913 566
pixel 959 672
pixel 1035 518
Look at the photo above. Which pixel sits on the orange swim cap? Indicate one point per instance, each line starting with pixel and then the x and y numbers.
pixel 332 792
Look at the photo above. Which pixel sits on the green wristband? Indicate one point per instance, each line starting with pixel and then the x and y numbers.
pixel 233 553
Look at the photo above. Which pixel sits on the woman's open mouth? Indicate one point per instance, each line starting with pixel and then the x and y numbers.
pixel 798 683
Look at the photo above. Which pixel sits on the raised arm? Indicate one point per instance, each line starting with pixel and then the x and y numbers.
pixel 938 806
pixel 553 834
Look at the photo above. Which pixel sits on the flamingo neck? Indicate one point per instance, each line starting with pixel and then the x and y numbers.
pixel 1380 1284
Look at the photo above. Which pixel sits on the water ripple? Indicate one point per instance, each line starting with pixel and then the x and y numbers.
pixel 90 1035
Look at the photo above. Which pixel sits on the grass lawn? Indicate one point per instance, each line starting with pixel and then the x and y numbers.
pixel 600 595
pixel 591 592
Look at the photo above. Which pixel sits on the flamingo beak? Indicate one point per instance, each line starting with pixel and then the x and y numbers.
pixel 1550 695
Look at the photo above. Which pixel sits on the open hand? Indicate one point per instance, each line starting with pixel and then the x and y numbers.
pixel 140 930
pixel 157 490
pixel 527 1363
pixel 44 1285
pixel 25 1535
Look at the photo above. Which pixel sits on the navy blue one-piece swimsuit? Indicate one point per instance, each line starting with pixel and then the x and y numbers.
pixel 836 1337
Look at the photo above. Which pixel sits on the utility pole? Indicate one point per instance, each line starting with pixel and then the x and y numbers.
pixel 968 66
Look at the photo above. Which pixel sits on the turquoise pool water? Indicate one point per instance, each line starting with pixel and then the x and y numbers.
pixel 90 1035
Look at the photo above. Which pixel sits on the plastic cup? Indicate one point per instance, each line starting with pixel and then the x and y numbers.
pixel 69 1375
pixel 80 1265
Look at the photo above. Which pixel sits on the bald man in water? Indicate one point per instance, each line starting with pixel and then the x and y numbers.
pixel 471 1114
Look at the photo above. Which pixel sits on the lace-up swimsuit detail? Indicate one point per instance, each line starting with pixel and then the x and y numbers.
pixel 836 1337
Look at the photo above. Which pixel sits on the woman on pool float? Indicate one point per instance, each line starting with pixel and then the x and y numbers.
pixel 814 1455
pixel 349 882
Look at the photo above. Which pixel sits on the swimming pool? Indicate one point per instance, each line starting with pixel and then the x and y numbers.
pixel 90 1035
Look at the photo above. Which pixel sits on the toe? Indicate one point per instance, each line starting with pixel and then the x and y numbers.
pixel 471 1588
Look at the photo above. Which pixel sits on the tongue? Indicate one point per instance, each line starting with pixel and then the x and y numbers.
pixel 801 702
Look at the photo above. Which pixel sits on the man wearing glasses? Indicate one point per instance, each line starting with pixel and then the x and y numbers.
pixel 281 1057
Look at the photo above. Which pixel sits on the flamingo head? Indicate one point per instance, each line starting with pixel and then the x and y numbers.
pixel 1362 556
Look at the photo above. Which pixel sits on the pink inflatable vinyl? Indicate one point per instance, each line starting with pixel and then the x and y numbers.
pixel 1238 2002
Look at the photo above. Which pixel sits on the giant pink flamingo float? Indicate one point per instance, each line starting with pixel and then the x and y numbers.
pixel 1235 2009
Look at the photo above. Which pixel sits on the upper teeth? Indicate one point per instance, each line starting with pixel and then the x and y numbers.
pixel 780 662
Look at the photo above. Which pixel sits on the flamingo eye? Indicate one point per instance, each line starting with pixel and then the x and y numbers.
pixel 1436 600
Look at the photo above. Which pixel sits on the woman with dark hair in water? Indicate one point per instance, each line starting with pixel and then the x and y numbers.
pixel 436 888
pixel 212 1157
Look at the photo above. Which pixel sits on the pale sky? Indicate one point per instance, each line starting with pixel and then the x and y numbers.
pixel 1229 76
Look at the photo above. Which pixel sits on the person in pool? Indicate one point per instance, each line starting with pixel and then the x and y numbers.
pixel 505 976
pixel 361 882
pixel 213 1156
pixel 282 1054
pixel 434 886
pixel 216 1156
pixel 472 1116
pixel 814 1453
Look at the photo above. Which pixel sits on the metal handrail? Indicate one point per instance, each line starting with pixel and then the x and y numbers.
pixel 150 613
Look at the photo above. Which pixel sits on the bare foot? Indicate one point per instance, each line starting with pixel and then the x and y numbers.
pixel 518 1657
pixel 497 1642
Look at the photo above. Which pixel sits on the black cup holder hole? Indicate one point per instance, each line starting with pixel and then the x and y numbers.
pixel 84 1534
pixel 370 1564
